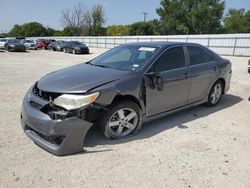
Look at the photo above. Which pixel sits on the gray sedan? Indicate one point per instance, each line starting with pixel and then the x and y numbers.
pixel 121 89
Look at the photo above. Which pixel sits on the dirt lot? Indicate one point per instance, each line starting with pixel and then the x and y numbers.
pixel 200 147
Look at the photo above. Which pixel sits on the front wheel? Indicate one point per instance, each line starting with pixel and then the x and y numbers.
pixel 215 94
pixel 121 120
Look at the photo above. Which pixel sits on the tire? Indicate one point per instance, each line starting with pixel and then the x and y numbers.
pixel 215 94
pixel 123 119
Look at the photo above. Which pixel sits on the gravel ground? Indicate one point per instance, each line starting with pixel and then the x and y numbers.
pixel 199 147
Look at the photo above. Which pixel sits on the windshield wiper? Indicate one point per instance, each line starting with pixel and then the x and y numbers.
pixel 104 66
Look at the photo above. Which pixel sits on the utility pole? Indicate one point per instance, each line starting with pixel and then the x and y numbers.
pixel 145 16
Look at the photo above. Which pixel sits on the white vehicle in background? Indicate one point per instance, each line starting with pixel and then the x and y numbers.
pixel 30 44
pixel 2 42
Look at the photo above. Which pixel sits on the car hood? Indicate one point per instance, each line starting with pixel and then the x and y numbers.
pixel 79 79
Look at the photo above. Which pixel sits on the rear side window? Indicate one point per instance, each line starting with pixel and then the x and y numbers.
pixel 171 59
pixel 198 55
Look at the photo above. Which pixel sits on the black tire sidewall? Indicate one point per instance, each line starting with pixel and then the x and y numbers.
pixel 104 120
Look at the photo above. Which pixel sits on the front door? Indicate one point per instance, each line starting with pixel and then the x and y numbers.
pixel 167 82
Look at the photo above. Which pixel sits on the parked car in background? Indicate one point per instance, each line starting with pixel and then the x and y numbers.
pixel 37 41
pixel 75 47
pixel 30 44
pixel 119 90
pixel 2 42
pixel 20 38
pixel 57 45
pixel 43 44
pixel 14 45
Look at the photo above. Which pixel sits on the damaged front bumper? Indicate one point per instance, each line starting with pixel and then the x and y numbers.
pixel 58 136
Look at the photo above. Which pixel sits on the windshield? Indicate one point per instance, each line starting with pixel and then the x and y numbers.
pixel 13 41
pixel 29 41
pixel 129 57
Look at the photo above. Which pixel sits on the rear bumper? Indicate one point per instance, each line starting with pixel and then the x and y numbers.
pixel 31 47
pixel 17 49
pixel 60 137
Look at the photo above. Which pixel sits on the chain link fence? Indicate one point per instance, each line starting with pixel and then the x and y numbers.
pixel 224 44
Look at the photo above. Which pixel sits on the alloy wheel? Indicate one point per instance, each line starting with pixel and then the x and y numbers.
pixel 123 122
pixel 217 91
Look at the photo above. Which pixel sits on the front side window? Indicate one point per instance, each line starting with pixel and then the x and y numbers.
pixel 198 55
pixel 173 58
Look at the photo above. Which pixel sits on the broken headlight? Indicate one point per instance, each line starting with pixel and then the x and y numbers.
pixel 72 102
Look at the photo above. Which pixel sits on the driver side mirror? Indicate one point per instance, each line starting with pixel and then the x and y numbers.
pixel 157 80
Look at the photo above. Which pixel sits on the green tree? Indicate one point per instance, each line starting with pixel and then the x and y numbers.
pixel 16 31
pixel 98 20
pixel 142 28
pixel 190 16
pixel 237 21
pixel 118 30
pixel 32 29
pixel 67 32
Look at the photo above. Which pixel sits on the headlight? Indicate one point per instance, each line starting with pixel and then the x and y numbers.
pixel 72 102
pixel 12 45
pixel 77 48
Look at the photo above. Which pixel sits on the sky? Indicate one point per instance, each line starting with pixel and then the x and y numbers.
pixel 48 12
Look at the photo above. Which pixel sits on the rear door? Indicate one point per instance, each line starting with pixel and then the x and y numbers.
pixel 203 72
pixel 168 88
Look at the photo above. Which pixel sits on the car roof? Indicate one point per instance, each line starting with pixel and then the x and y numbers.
pixel 161 44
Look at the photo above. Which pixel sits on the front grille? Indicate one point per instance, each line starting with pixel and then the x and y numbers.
pixel 48 96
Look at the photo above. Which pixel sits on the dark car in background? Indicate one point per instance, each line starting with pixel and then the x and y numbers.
pixel 119 90
pixel 75 47
pixel 14 45
pixel 57 45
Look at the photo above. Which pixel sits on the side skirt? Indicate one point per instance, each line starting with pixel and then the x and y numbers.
pixel 163 114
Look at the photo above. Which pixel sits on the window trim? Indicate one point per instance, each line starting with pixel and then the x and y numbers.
pixel 168 48
pixel 204 49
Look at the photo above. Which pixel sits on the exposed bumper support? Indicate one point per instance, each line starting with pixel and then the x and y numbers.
pixel 40 128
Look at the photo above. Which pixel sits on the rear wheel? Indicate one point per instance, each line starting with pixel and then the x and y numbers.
pixel 123 119
pixel 215 94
